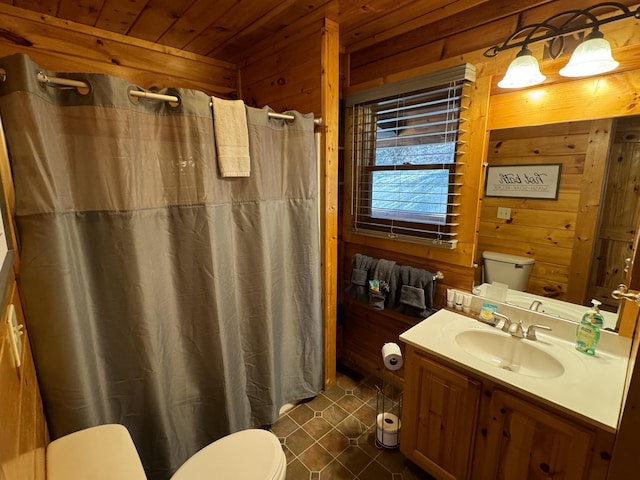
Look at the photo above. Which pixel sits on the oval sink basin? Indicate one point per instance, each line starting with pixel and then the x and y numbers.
pixel 509 353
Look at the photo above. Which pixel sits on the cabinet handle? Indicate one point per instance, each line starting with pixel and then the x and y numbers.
pixel 544 467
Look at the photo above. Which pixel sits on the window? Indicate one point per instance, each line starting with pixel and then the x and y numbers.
pixel 406 156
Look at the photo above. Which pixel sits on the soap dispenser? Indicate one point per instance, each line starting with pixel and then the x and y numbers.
pixel 588 331
pixel 597 318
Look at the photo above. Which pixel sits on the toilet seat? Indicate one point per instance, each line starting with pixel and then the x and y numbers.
pixel 107 452
pixel 104 452
pixel 248 455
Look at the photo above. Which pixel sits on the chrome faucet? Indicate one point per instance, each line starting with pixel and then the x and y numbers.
pixel 516 330
pixel 535 305
pixel 512 328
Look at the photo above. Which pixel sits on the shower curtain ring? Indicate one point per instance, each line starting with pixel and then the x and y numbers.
pixel 42 78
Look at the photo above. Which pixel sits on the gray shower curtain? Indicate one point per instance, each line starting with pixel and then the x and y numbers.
pixel 159 295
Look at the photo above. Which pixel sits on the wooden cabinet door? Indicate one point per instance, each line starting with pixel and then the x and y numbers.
pixel 525 442
pixel 438 418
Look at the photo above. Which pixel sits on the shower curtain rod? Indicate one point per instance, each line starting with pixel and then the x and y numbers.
pixel 65 82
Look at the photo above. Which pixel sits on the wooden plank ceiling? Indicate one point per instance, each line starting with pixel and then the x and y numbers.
pixel 230 29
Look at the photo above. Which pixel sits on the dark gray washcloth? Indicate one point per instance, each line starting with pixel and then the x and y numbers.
pixel 412 296
pixel 359 277
pixel 382 274
pixel 361 268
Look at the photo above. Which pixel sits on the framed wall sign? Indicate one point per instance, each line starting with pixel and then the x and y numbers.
pixel 523 181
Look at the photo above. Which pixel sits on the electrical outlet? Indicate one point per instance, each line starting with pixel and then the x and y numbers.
pixel 504 213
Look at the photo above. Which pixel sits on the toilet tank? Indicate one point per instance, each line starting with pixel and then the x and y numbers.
pixel 512 270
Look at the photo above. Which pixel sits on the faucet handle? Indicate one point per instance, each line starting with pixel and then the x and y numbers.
pixel 531 331
pixel 515 329
pixel 502 321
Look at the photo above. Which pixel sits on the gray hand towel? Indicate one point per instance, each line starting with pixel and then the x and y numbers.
pixel 378 291
pixel 416 293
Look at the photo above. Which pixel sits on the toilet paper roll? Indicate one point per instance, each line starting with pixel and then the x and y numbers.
pixel 392 356
pixel 388 429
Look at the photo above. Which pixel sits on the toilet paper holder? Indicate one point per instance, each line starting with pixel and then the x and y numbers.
pixel 389 400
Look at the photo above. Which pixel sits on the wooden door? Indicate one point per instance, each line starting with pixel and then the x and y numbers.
pixel 439 417
pixel 619 213
pixel 525 442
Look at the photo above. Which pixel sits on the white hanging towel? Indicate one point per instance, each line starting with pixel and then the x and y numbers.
pixel 232 137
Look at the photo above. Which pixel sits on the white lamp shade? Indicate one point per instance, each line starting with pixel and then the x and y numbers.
pixel 522 72
pixel 591 57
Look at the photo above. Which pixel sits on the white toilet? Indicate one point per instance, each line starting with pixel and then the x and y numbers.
pixel 107 452
pixel 250 454
pixel 512 270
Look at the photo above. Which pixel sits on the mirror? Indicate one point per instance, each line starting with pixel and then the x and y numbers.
pixel 546 305
pixel 582 236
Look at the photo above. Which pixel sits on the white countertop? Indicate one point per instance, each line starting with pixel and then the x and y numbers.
pixel 589 387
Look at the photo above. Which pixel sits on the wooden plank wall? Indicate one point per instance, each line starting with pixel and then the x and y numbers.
pixel 546 230
pixel 285 73
pixel 61 46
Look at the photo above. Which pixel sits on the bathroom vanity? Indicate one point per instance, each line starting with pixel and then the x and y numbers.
pixel 481 404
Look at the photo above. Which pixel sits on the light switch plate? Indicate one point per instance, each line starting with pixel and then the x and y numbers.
pixel 504 213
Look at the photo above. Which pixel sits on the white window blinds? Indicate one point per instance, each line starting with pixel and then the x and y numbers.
pixel 406 156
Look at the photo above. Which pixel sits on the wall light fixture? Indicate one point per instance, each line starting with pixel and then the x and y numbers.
pixel 591 57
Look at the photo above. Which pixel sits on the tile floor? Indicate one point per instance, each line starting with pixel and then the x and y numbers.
pixel 333 436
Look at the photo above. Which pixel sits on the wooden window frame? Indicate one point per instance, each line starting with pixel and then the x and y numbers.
pixel 364 146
